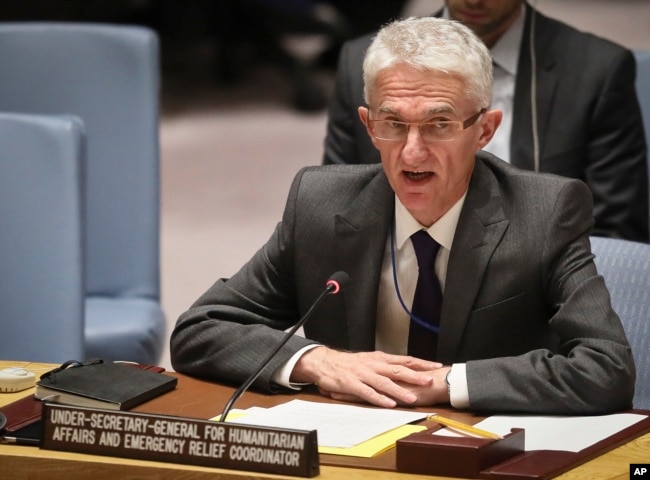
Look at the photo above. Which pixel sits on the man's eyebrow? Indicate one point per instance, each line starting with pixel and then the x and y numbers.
pixel 386 110
pixel 429 112
pixel 443 109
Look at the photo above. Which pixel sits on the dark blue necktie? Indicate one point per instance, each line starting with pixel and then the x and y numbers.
pixel 427 301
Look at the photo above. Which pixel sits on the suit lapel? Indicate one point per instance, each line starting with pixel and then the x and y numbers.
pixel 521 137
pixel 361 233
pixel 481 226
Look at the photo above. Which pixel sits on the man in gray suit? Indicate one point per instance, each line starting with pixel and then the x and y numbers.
pixel 525 324
pixel 585 121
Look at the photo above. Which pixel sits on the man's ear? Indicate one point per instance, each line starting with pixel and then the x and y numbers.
pixel 363 115
pixel 490 121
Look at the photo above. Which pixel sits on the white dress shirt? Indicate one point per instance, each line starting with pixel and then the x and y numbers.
pixel 392 319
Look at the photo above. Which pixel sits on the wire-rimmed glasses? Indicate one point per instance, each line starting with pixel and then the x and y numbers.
pixel 438 131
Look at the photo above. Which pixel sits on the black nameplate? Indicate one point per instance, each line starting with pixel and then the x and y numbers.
pixel 182 440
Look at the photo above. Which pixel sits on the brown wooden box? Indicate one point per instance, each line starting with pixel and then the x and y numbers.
pixel 429 454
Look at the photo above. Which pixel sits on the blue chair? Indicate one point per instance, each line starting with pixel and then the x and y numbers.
pixel 108 76
pixel 625 266
pixel 41 290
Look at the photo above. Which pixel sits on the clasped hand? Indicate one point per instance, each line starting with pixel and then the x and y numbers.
pixel 376 377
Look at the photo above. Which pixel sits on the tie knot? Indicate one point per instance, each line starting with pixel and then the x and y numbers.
pixel 426 249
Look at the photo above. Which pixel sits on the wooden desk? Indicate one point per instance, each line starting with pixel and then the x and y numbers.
pixel 197 399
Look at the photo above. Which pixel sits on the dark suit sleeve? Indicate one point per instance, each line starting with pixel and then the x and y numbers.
pixel 346 140
pixel 339 142
pixel 340 139
pixel 233 326
pixel 591 370
pixel 616 167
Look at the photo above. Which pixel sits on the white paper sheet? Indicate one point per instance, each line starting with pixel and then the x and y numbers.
pixel 570 434
pixel 340 426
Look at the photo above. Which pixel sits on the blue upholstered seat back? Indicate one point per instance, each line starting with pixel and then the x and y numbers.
pixel 41 276
pixel 626 268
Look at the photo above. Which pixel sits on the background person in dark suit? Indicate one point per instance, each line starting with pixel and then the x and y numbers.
pixel 585 122
pixel 526 322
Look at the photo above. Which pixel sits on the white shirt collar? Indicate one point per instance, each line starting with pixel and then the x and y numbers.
pixel 505 52
pixel 442 231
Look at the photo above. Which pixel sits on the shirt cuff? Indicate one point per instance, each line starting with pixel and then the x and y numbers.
pixel 458 391
pixel 282 374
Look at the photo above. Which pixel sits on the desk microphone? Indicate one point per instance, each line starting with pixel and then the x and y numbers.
pixel 332 286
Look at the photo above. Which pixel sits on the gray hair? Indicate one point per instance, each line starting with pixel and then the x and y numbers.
pixel 432 44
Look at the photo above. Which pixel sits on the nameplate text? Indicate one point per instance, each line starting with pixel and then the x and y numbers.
pixel 182 440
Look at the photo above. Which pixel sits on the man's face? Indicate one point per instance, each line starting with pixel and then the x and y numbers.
pixel 428 177
pixel 488 19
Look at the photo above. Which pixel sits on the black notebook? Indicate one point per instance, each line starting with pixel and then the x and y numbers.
pixel 99 384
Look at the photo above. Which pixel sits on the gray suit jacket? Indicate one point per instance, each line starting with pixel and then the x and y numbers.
pixel 589 120
pixel 523 305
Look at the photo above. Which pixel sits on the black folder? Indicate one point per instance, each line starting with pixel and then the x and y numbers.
pixel 99 384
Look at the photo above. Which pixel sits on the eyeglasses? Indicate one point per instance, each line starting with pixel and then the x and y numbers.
pixel 440 131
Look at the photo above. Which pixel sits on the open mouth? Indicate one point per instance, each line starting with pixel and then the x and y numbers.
pixel 415 176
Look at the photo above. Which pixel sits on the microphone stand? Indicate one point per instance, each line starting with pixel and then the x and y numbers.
pixel 332 287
